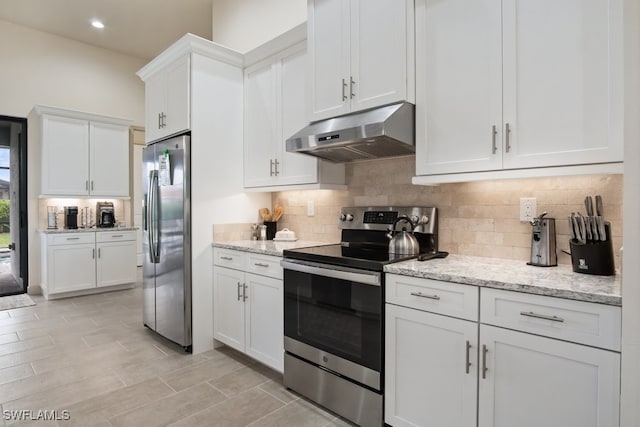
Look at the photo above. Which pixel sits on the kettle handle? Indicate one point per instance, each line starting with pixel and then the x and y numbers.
pixel 402 218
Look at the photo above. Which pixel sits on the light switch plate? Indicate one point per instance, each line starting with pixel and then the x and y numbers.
pixel 311 208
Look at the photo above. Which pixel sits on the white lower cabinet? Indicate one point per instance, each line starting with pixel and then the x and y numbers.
pixel 532 381
pixel 248 305
pixel 82 262
pixel 443 368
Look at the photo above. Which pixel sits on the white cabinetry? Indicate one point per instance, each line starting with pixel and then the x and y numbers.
pixel 362 54
pixel 526 84
pixel 275 108
pixel 534 360
pixel 248 305
pixel 431 367
pixel 80 262
pixel 532 380
pixel 167 101
pixel 82 154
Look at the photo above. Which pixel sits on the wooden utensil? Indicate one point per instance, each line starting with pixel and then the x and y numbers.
pixel 265 214
pixel 278 211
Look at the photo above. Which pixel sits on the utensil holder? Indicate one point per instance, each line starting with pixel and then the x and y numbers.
pixel 271 229
pixel 593 257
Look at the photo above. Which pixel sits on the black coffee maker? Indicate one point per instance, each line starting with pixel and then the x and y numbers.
pixel 104 215
pixel 71 217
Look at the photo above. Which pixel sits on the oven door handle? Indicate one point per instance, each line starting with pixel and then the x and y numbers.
pixel 367 278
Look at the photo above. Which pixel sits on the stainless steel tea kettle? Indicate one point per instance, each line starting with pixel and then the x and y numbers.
pixel 403 242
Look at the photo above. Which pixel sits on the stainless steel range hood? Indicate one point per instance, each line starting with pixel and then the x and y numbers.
pixel 373 134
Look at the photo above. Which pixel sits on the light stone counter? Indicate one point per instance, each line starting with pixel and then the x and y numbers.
pixel 517 276
pixel 87 230
pixel 265 247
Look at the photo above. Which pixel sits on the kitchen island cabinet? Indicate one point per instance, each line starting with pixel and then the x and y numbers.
pixel 82 154
pixel 532 89
pixel 81 262
pixel 275 108
pixel 533 360
pixel 362 55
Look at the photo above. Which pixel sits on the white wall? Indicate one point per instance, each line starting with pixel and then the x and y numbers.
pixel 630 410
pixel 245 24
pixel 41 68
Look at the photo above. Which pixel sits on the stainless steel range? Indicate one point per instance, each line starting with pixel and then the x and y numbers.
pixel 334 311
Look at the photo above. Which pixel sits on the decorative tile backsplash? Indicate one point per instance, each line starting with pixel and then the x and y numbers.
pixel 476 218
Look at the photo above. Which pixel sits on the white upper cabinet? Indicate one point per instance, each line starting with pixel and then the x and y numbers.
pixel 167 100
pixel 108 159
pixel 275 108
pixel 362 54
pixel 82 154
pixel 517 84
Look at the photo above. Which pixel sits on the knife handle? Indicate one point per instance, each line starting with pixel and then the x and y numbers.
pixel 602 231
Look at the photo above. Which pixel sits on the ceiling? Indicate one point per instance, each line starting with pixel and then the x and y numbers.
pixel 142 28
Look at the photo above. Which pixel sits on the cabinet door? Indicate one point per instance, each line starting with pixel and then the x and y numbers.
pixel 155 101
pixel 431 369
pixel 295 168
pixel 116 263
pixel 71 267
pixel 264 313
pixel 532 381
pixel 563 82
pixel 458 86
pixel 329 50
pixel 65 156
pixel 108 160
pixel 379 49
pixel 228 307
pixel 178 98
pixel 261 125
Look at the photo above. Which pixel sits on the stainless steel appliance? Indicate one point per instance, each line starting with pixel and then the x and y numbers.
pixel 380 132
pixel 167 239
pixel 71 217
pixel 104 215
pixel 543 242
pixel 334 311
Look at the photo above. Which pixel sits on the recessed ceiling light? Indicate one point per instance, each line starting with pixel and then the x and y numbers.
pixel 97 24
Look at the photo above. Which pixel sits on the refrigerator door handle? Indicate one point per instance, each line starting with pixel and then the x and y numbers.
pixel 152 211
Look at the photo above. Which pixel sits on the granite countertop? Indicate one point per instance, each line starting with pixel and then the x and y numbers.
pixel 265 247
pixel 87 230
pixel 558 281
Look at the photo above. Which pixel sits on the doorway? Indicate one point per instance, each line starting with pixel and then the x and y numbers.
pixel 13 206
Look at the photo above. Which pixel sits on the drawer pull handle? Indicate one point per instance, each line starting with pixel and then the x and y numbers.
pixel 541 316
pixel 73 238
pixel 244 292
pixel 227 258
pixel 421 295
pixel 117 235
pixel 239 294
pixel 259 264
pixel 468 362
pixel 484 361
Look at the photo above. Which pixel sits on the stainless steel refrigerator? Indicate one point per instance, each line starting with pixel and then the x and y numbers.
pixel 167 239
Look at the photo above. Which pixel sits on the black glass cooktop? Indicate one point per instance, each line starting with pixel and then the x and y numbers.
pixel 367 257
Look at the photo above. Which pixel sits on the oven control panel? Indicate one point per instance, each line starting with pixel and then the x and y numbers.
pixel 424 219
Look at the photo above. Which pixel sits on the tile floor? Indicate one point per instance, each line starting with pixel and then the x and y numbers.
pixel 91 360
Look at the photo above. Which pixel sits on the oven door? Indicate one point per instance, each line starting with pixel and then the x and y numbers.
pixel 333 311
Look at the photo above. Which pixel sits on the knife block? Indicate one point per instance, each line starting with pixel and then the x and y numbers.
pixel 593 257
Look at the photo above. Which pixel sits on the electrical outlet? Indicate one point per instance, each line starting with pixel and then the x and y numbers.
pixel 527 208
pixel 311 208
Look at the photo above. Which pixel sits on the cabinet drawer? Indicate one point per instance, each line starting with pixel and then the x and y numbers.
pixel 582 322
pixel 71 238
pixel 264 265
pixel 229 258
pixel 450 299
pixel 115 236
